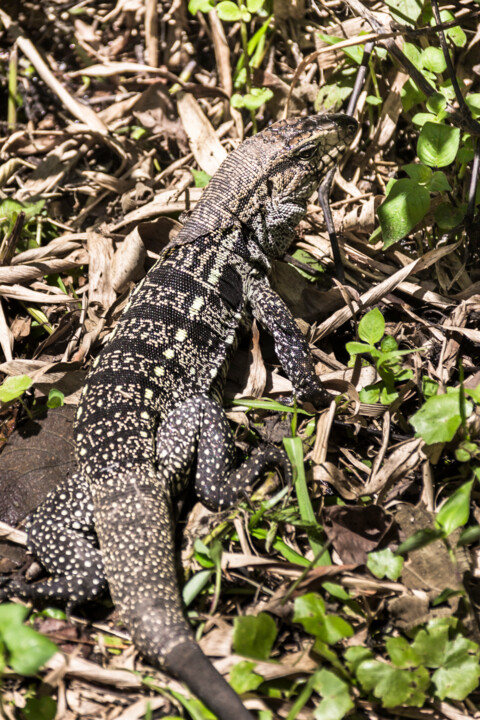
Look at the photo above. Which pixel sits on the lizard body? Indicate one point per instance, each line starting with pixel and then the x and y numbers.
pixel 150 417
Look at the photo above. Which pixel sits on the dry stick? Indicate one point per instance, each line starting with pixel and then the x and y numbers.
pixel 151 32
pixel 78 110
pixel 326 184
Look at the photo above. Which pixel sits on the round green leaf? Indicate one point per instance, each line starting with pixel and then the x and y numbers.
pixel 229 11
pixel 11 615
pixel 433 59
pixel 447 216
pixel 473 102
pixel 336 700
pixel 14 387
pixel 254 5
pixel 383 563
pixel 405 11
pixel 438 144
pixel 254 635
pixel 418 172
pixel 203 6
pixel 407 203
pixel 455 34
pixel 28 650
pixel 439 418
pixel 436 103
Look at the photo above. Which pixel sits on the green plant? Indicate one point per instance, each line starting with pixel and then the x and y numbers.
pixel 24 650
pixel 253 49
pixel 439 145
pixel 440 661
pixel 15 386
pixel 371 329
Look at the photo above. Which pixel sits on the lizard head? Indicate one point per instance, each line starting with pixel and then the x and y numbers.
pixel 292 158
pixel 300 151
pixel 263 186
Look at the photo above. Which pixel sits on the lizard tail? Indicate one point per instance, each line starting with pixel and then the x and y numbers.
pixel 188 662
pixel 133 519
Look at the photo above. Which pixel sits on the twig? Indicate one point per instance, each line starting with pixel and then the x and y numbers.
pixel 151 32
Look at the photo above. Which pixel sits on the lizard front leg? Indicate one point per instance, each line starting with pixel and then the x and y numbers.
pixel 290 345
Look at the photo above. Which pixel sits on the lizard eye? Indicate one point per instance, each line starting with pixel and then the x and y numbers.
pixel 307 153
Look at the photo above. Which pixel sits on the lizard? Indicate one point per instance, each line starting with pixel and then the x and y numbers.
pixel 150 419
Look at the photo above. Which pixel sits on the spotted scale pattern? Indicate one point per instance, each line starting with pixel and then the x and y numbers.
pixel 150 418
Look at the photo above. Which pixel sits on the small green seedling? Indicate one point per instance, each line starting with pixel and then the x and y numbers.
pixel 371 329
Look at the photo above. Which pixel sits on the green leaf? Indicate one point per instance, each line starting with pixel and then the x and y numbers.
pixel 388 344
pixel 455 34
pixel 373 100
pixel 371 327
pixel 433 60
pixel 294 449
pixel 194 586
pixel 14 387
pixel 405 11
pixel 200 177
pixel 439 182
pixel 310 612
pixel 28 650
pixel 401 653
pixel 254 635
pixel 267 404
pixel 356 348
pixel 370 394
pixel 438 144
pixel 419 539
pixel 355 655
pixel 254 6
pixel 447 216
pixel 55 398
pixel 252 100
pixel 430 643
pixel 473 102
pixel 460 671
pixel 406 204
pixel 469 536
pixel 203 6
pixel 390 684
pixel 474 393
pixel 229 11
pixel 12 615
pixel 42 708
pixel 383 563
pixel 436 102
pixel 242 677
pixel 455 511
pixel 439 418
pixel 418 172
pixel 336 701
pixel 420 118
